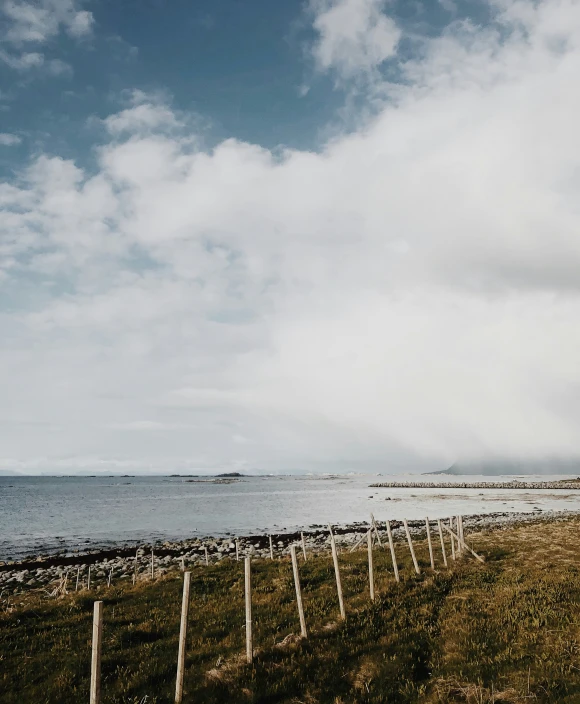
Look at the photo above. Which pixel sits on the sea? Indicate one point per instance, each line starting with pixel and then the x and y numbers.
pixel 48 515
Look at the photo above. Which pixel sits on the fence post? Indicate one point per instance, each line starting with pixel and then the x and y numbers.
pixel 206 556
pixel 430 544
pixel 303 546
pixel 442 542
pixel 110 577
pixel 337 574
pixel 89 579
pixel 298 592
pixel 152 565
pixel 237 550
pixel 182 639
pixel 411 548
pixel 374 525
pixel 452 540
pixel 271 548
pixel 392 547
pixel 248 585
pixel 96 653
pixel 78 577
pixel 136 565
pixel 371 572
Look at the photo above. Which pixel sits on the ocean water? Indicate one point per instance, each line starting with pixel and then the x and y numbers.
pixel 54 514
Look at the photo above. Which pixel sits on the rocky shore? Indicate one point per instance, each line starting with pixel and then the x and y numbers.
pixel 50 573
pixel 562 485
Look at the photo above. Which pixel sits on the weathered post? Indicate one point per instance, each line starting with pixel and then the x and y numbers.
pixel 237 550
pixel 110 577
pixel 303 631
pixel 392 547
pixel 152 565
pixel 271 548
pixel 337 574
pixel 89 578
pixel 303 546
pixel 206 556
pixel 182 638
pixel 96 653
pixel 371 572
pixel 248 585
pixel 78 577
pixel 442 542
pixel 374 525
pixel 136 566
pixel 452 540
pixel 430 544
pixel 411 548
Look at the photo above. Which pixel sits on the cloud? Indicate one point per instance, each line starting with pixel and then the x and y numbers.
pixel 354 36
pixel 9 140
pixel 406 294
pixel 146 113
pixel 24 61
pixel 36 23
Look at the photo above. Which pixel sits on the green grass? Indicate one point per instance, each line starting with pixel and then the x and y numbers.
pixel 506 631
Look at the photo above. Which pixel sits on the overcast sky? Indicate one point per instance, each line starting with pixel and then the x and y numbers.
pixel 269 236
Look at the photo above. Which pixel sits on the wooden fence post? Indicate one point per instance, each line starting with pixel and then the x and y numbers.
pixel 248 585
pixel 96 653
pixel 392 547
pixel 152 565
pixel 442 542
pixel 411 548
pixel 303 546
pixel 182 638
pixel 430 544
pixel 110 577
pixel 78 577
pixel 206 556
pixel 303 631
pixel 136 565
pixel 337 574
pixel 89 578
pixel 182 564
pixel 271 548
pixel 237 550
pixel 452 541
pixel 374 525
pixel 371 572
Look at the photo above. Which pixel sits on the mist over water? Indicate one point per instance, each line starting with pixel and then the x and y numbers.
pixel 53 514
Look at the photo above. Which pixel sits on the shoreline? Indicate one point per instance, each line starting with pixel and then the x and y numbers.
pixel 43 571
pixel 561 485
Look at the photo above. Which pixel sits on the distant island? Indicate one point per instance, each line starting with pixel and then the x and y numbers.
pixel 230 474
pixel 495 468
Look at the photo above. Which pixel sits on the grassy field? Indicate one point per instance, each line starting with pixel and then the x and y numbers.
pixel 505 631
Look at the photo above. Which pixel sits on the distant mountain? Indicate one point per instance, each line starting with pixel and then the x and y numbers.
pixel 494 468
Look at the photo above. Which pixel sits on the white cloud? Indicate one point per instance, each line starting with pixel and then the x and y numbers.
pixel 56 67
pixel 9 140
pixel 354 36
pixel 25 23
pixel 24 61
pixel 408 291
pixel 146 113
pixel 40 21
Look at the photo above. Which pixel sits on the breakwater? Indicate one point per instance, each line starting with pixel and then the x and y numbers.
pixel 477 485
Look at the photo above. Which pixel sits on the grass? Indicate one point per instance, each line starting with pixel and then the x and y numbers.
pixel 506 631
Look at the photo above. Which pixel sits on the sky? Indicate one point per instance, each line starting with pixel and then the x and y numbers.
pixel 328 235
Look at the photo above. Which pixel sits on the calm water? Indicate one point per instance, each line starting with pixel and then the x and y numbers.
pixel 48 514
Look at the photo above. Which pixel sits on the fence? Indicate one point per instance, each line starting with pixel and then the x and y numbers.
pixel 372 535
